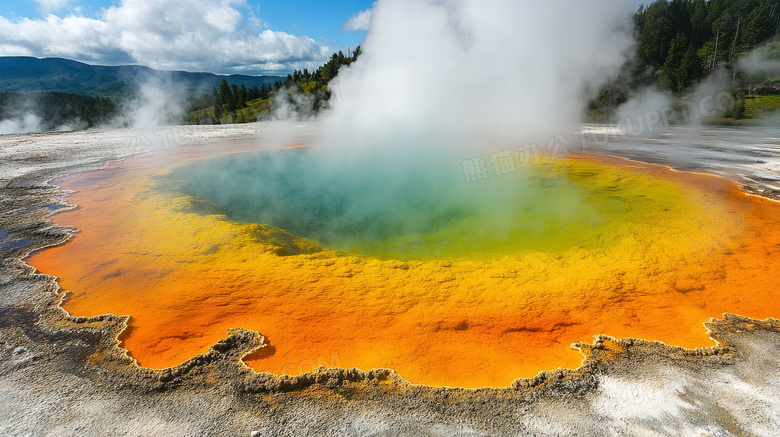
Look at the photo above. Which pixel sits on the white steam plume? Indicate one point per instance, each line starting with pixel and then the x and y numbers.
pixel 467 72
pixel 27 122
pixel 437 83
pixel 156 102
pixel 761 63
pixel 358 22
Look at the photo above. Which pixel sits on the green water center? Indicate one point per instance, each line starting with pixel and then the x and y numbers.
pixel 426 210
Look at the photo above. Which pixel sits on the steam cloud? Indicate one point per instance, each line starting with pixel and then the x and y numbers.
pixel 27 122
pixel 157 102
pixel 439 82
pixel 760 64
pixel 23 113
pixel 714 96
pixel 154 101
pixel 470 72
pixel 358 22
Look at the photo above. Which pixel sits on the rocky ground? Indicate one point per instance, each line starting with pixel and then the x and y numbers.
pixel 65 376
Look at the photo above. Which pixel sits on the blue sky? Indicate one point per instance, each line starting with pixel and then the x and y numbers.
pixel 320 20
pixel 219 36
pixel 317 19
pixel 222 36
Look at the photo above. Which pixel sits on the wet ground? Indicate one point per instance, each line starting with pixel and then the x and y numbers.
pixel 748 155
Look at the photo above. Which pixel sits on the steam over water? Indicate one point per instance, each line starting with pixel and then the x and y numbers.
pixel 437 83
pixel 438 76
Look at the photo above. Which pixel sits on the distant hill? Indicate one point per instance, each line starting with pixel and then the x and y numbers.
pixel 24 74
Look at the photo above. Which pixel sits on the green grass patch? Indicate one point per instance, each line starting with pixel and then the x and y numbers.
pixel 757 106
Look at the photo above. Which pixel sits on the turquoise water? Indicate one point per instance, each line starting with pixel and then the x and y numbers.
pixel 423 211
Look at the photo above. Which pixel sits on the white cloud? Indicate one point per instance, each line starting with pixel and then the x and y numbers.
pixel 359 21
pixel 202 35
pixel 72 36
pixel 51 5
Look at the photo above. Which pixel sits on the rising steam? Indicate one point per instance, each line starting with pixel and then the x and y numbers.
pixel 155 102
pixel 437 83
pixel 467 72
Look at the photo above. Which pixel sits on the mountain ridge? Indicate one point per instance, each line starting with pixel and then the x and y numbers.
pixel 28 74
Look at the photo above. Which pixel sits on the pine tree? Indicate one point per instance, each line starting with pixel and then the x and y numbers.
pixel 216 101
pixel 224 92
pixel 242 96
pixel 232 99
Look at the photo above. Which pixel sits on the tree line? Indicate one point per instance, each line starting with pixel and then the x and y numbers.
pixel 55 109
pixel 679 43
pixel 683 40
pixel 227 100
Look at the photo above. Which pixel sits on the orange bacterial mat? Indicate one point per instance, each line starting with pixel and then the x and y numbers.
pixel 668 251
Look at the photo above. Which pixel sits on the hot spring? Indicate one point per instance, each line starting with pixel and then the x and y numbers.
pixel 448 282
pixel 430 214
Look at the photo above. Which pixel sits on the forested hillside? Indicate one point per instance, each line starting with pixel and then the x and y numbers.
pixel 680 41
pixel 680 44
pixel 302 93
pixel 27 74
pixel 51 110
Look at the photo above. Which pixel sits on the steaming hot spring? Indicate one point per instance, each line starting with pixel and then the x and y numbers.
pixel 450 282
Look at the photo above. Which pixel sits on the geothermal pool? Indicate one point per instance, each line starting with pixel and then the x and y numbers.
pixel 466 285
